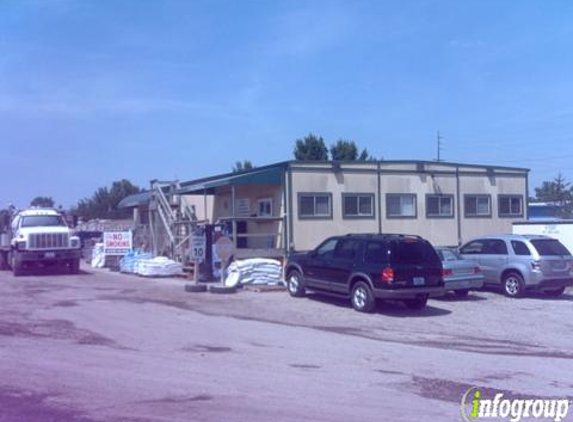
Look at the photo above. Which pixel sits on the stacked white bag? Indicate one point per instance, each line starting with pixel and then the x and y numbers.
pixel 98 257
pixel 254 271
pixel 128 263
pixel 157 267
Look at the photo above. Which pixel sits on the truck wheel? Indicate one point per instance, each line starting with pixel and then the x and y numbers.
pixel 294 284
pixel 75 266
pixel 362 298
pixel 461 293
pixel 417 303
pixel 555 292
pixel 17 269
pixel 513 285
pixel 4 261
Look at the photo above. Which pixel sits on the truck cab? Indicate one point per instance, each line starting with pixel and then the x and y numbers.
pixel 41 237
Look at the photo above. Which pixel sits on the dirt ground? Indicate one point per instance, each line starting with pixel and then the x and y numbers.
pixel 104 346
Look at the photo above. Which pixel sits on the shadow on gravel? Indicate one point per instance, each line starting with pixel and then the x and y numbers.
pixel 451 297
pixel 532 294
pixel 23 406
pixel 387 308
pixel 53 270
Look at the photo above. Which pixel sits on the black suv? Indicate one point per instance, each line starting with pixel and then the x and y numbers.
pixel 366 267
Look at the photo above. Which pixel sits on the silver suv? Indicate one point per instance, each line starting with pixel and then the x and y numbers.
pixel 520 262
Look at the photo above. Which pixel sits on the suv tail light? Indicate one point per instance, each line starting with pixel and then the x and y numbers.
pixel 446 272
pixel 387 275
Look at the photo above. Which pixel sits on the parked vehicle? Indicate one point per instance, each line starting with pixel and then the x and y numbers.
pixel 460 275
pixel 40 237
pixel 521 262
pixel 562 230
pixel 366 267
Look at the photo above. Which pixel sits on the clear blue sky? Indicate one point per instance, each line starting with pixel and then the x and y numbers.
pixel 95 91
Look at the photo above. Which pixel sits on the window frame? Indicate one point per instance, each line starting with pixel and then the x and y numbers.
pixel 268 200
pixel 440 196
pixel 509 215
pixel 302 216
pixel 358 216
pixel 477 196
pixel 400 195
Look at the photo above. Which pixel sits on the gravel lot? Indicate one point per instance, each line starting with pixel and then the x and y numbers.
pixel 107 346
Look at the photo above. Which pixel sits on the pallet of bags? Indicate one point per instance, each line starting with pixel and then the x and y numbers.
pixel 129 261
pixel 254 271
pixel 158 267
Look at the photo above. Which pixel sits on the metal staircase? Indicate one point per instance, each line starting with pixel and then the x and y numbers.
pixel 171 221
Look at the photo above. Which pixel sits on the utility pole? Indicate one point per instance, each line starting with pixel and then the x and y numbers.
pixel 439 145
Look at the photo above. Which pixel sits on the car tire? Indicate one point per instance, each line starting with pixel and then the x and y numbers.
pixel 222 290
pixel 417 303
pixel 555 292
pixel 513 285
pixel 195 288
pixel 295 285
pixel 362 297
pixel 461 293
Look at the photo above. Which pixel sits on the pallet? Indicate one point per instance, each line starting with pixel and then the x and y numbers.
pixel 263 288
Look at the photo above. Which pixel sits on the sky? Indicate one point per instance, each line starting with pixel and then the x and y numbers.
pixel 93 91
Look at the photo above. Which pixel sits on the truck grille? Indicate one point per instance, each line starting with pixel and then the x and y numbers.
pixel 48 241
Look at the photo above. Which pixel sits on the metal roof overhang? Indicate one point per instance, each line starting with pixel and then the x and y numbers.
pixel 269 176
pixel 135 200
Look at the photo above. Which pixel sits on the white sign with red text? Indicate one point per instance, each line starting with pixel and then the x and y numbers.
pixel 117 243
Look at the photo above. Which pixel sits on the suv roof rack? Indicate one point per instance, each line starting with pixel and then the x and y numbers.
pixel 402 235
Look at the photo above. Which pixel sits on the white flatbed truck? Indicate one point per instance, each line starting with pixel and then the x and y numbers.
pixel 561 230
pixel 39 237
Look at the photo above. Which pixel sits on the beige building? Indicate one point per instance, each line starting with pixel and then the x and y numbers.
pixel 295 205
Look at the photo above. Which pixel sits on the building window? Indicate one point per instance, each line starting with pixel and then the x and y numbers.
pixel 401 205
pixel 440 206
pixel 315 205
pixel 265 207
pixel 357 205
pixel 510 205
pixel 477 205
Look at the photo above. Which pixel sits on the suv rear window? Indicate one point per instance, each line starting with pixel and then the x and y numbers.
pixel 549 247
pixel 413 252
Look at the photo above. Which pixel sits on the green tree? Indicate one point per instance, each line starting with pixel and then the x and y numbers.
pixel 365 156
pixel 559 192
pixel 310 148
pixel 104 201
pixel 344 150
pixel 241 166
pixel 42 201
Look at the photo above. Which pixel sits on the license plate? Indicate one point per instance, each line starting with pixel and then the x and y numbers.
pixel 419 281
pixel 50 255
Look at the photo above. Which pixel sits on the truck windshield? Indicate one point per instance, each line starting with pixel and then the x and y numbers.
pixel 550 247
pixel 42 221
